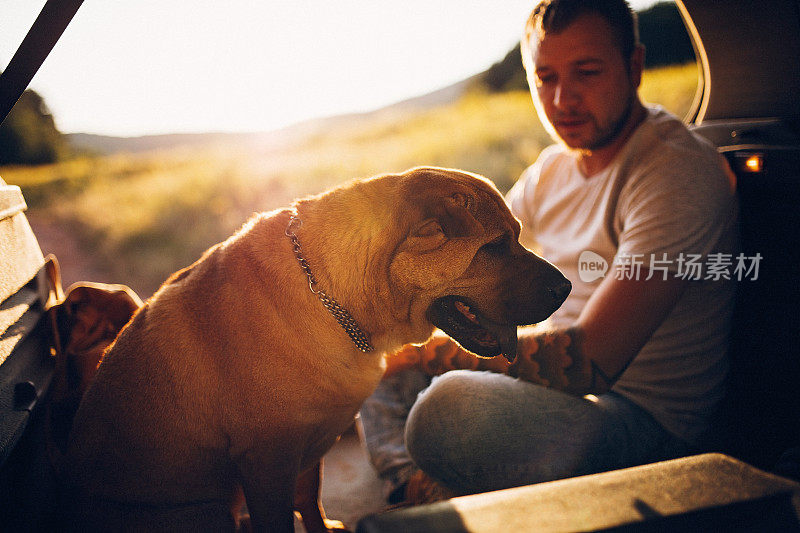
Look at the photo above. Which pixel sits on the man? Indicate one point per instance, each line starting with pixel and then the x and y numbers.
pixel 631 367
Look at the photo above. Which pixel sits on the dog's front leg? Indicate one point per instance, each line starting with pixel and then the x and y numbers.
pixel 307 502
pixel 268 479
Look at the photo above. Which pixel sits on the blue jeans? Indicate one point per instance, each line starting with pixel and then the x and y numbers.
pixel 480 431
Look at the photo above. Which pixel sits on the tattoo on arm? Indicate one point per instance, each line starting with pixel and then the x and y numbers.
pixel 552 358
pixel 556 359
pixel 545 357
pixel 593 379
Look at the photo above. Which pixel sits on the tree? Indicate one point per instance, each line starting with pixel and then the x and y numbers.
pixel 28 136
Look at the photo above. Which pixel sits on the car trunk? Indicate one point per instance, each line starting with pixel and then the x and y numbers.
pixel 748 106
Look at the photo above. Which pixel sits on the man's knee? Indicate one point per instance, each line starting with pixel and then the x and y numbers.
pixel 442 418
pixel 430 419
pixel 479 420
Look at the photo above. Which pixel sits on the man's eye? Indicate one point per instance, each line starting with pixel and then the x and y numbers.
pixel 589 72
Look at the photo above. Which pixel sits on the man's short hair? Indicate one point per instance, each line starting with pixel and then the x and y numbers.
pixel 553 16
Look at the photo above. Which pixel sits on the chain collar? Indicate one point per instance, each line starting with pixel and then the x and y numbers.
pixel 341 315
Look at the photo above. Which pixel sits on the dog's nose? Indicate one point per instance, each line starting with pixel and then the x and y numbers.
pixel 560 292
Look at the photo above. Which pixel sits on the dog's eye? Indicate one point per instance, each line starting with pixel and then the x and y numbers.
pixel 499 246
pixel 429 229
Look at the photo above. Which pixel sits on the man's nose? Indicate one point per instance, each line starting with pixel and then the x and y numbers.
pixel 564 95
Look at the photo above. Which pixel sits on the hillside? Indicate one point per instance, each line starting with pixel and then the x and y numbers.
pixel 139 216
pixel 661 31
pixel 107 145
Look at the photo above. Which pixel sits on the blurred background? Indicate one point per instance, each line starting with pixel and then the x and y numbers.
pixel 153 131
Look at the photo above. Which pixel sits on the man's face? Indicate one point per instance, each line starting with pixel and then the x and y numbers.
pixel 583 88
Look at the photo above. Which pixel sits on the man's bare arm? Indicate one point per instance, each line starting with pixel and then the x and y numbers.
pixel 587 358
pixel 617 321
pixel 557 359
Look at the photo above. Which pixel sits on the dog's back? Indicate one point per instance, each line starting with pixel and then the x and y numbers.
pixel 147 441
pixel 213 363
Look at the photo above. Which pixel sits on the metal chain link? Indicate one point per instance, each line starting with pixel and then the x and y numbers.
pixel 341 315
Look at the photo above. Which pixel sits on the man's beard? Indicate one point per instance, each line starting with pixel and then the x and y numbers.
pixel 611 134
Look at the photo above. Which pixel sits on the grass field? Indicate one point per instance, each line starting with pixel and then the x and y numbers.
pixel 144 216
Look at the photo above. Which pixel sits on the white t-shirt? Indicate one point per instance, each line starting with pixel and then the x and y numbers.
pixel 663 204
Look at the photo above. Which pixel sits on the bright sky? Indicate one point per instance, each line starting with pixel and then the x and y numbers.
pixel 140 67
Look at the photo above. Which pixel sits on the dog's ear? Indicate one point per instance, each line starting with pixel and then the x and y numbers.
pixel 441 246
pixel 425 236
pixel 89 319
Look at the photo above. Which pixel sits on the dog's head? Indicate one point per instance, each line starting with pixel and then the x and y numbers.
pixel 89 319
pixel 461 265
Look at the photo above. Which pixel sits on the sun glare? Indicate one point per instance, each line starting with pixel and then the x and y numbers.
pixel 132 68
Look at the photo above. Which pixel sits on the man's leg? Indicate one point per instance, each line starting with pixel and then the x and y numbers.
pixel 383 421
pixel 479 431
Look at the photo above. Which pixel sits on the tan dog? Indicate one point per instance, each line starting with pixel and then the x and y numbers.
pixel 238 372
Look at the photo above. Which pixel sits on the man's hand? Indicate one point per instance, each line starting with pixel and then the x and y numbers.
pixel 541 358
pixel 439 355
pixel 546 359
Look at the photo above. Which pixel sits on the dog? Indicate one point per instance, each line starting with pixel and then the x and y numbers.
pixel 245 367
pixel 84 323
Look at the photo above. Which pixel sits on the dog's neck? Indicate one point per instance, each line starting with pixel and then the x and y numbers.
pixel 342 316
pixel 345 262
